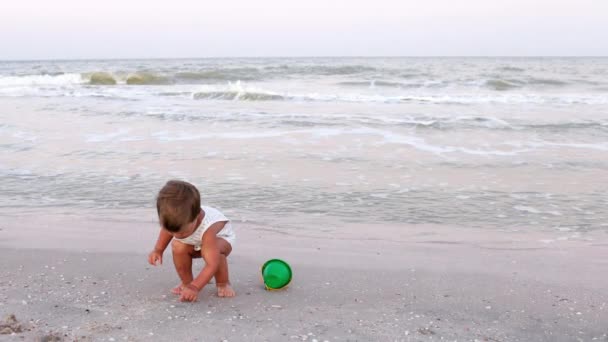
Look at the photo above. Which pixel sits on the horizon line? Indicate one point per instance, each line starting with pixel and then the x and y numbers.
pixel 293 57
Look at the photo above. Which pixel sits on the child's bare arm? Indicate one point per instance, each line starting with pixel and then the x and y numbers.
pixel 164 237
pixel 162 242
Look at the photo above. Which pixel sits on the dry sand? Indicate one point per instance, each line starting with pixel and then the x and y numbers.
pixel 78 277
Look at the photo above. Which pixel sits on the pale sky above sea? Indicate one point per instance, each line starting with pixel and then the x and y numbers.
pixel 76 29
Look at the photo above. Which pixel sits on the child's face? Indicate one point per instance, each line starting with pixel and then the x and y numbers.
pixel 186 230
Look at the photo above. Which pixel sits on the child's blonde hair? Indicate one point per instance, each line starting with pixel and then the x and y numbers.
pixel 178 203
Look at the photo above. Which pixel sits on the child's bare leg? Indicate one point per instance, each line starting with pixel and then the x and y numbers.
pixel 182 258
pixel 222 279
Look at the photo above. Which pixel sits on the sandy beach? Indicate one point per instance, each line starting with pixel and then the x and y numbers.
pixel 381 283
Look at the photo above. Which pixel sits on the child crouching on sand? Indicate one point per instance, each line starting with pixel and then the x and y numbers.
pixel 196 231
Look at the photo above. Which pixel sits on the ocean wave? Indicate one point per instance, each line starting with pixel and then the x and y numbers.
pixel 446 123
pixel 176 93
pixel 74 86
pixel 476 122
pixel 237 95
pixel 493 123
pixel 241 93
pixel 603 146
pixel 495 83
pixel 379 83
pixel 417 122
pixel 410 75
pixel 238 91
pixel 42 80
pixel 498 84
pixel 147 78
pixel 566 99
pixel 572 125
pixel 501 84
pixel 345 75
pixel 102 78
pixel 234 74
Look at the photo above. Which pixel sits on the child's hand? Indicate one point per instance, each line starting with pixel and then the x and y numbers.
pixel 154 257
pixel 189 293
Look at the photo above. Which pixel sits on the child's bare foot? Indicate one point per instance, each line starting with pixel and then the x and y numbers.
pixel 225 290
pixel 177 290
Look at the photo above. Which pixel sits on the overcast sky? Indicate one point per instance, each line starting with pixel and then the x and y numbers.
pixel 72 29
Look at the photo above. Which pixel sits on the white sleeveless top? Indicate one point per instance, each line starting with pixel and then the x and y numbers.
pixel 212 216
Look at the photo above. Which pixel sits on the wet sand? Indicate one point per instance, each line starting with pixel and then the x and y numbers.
pixel 88 280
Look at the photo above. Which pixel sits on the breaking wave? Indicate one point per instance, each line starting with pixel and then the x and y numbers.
pixel 354 76
pixel 237 95
pixel 43 79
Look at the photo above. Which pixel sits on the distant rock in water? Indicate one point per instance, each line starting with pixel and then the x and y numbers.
pixel 146 78
pixel 103 78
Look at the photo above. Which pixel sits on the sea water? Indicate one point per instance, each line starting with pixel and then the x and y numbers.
pixel 475 142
